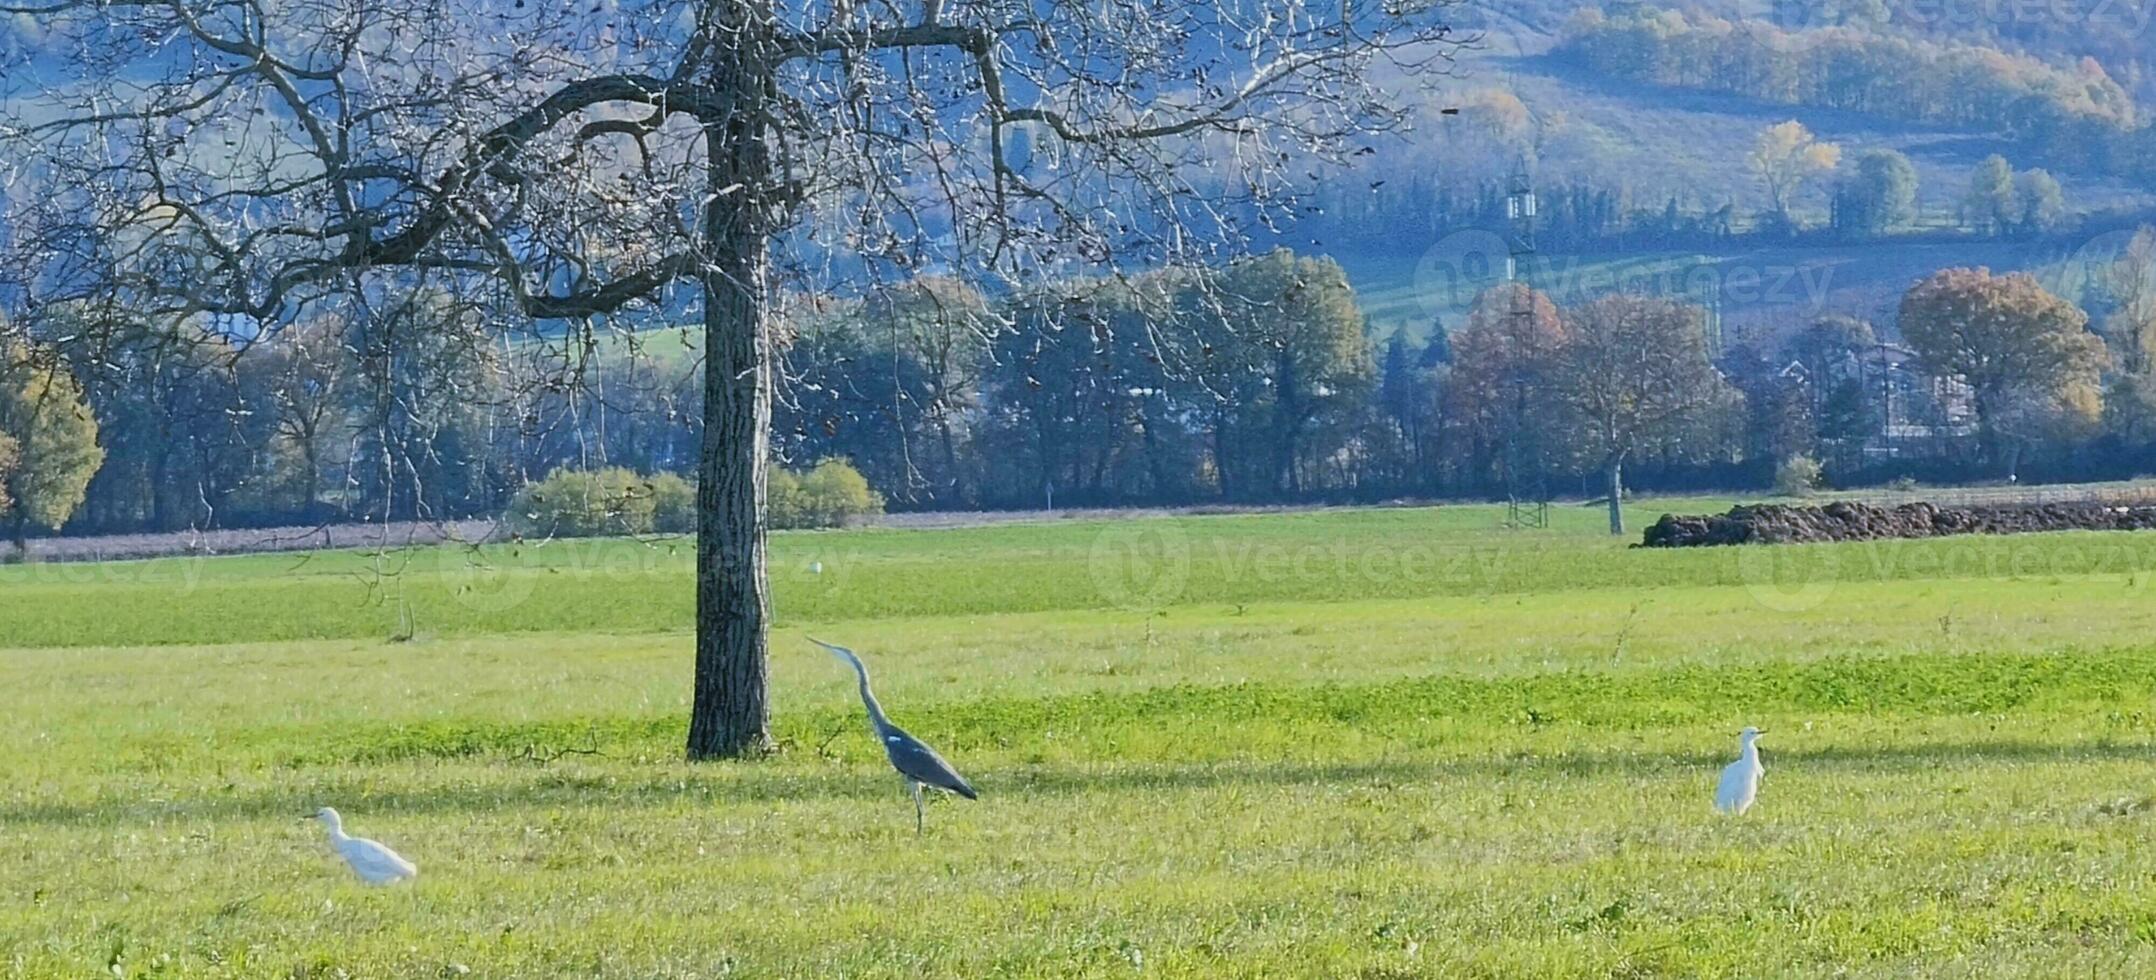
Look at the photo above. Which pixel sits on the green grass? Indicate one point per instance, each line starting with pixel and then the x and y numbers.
pixel 1270 760
pixel 612 586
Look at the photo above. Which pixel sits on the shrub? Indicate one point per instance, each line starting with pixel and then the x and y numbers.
pixel 585 503
pixel 1798 476
pixel 573 503
pixel 673 504
pixel 784 503
pixel 833 494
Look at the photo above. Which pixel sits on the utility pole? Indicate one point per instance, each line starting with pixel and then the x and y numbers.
pixel 1519 266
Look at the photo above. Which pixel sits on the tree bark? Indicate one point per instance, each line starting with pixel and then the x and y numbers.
pixel 1987 439
pixel 1220 454
pixel 1614 469
pixel 950 455
pixel 731 712
pixel 311 478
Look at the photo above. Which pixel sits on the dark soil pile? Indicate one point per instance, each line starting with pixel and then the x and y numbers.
pixel 1845 521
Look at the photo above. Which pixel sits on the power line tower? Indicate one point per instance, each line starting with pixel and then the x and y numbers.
pixel 1524 471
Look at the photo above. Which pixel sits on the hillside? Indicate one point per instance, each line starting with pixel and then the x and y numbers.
pixel 1760 287
pixel 1654 148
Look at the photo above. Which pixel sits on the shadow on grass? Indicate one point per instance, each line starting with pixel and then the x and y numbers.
pixel 737 785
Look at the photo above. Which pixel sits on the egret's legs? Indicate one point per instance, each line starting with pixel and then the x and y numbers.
pixel 918 819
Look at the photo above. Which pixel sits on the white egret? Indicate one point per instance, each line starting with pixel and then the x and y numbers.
pixel 1740 780
pixel 373 861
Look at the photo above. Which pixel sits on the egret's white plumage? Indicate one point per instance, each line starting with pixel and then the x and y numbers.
pixel 1740 780
pixel 373 861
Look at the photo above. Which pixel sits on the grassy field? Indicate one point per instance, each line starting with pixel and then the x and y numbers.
pixel 1378 743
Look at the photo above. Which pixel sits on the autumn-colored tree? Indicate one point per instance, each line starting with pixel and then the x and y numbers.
pixel 1633 370
pixel 54 441
pixel 1787 158
pixel 1500 115
pixel 1498 392
pixel 2010 339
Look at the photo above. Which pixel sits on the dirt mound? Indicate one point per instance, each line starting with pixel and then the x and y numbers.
pixel 1846 521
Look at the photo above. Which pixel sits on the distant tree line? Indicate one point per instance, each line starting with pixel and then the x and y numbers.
pixel 1253 382
pixel 1872 196
pixel 2075 118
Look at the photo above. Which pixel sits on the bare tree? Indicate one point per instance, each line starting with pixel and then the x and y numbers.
pixel 308 377
pixel 1633 369
pixel 577 165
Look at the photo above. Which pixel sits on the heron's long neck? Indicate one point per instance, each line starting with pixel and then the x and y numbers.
pixel 336 829
pixel 1751 752
pixel 868 699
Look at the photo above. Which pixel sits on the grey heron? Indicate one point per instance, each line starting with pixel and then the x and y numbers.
pixel 1740 779
pixel 910 756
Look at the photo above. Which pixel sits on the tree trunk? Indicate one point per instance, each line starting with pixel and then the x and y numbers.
pixel 311 479
pixel 1155 466
pixel 1989 441
pixel 731 713
pixel 1285 483
pixel 950 456
pixel 159 515
pixel 1614 469
pixel 1288 418
pixel 1220 454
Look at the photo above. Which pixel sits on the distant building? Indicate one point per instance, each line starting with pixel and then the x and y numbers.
pixel 1913 412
